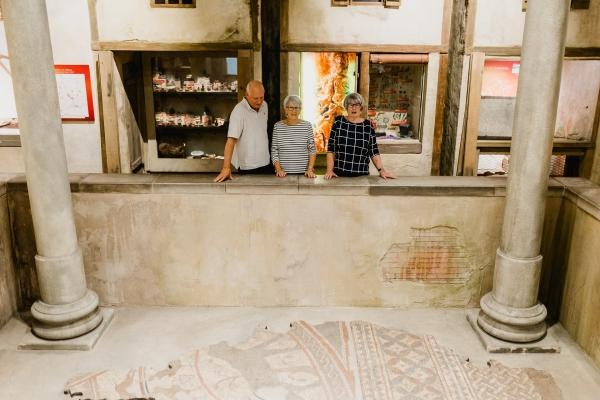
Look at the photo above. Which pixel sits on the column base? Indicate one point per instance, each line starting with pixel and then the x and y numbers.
pixel 520 325
pixel 66 321
pixel 84 342
pixel 547 344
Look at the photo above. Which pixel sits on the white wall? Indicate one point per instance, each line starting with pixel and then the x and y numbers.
pixel 7 97
pixel 501 22
pixel 70 35
pixel 210 21
pixel 416 22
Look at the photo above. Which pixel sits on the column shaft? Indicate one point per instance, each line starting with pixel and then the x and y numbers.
pixel 65 300
pixel 511 311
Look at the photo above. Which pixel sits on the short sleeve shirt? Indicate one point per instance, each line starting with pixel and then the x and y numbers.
pixel 249 127
pixel 353 145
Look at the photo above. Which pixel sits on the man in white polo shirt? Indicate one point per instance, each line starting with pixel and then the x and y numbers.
pixel 247 146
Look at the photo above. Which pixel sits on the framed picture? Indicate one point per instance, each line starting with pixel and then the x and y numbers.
pixel 75 92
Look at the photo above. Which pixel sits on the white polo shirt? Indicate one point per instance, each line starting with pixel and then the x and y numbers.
pixel 249 127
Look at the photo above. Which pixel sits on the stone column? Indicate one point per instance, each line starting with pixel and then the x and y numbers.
pixel 67 308
pixel 511 311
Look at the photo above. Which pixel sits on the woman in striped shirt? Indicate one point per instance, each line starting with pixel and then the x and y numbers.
pixel 293 147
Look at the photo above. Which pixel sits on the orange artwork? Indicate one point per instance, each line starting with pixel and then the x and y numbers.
pixel 332 78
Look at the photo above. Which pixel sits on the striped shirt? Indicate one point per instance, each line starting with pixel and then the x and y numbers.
pixel 353 145
pixel 291 146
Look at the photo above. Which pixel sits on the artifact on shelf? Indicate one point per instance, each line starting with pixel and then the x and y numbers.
pixel 201 84
pixel 199 154
pixel 170 150
pixel 187 120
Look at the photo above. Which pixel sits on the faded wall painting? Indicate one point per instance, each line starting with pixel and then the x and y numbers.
pixel 434 255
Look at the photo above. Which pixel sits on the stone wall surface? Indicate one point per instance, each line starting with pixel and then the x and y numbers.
pixel 417 22
pixel 210 21
pixel 579 277
pixel 500 23
pixel 7 277
pixel 182 240
pixel 70 35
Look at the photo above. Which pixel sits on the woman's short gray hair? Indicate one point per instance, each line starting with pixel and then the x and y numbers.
pixel 354 98
pixel 292 98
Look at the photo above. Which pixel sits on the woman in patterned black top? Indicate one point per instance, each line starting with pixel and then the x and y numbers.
pixel 352 143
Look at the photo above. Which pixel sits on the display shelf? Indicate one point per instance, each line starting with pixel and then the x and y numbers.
pixel 174 92
pixel 166 107
pixel 175 129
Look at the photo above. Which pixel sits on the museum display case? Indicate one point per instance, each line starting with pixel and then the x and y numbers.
pixel 189 97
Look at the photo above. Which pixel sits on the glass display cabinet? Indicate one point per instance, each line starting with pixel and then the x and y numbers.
pixel 189 97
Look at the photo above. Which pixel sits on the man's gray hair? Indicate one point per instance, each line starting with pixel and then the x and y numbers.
pixel 254 83
pixel 354 98
pixel 293 99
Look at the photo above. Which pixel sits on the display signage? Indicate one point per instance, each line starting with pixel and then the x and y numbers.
pixel 74 92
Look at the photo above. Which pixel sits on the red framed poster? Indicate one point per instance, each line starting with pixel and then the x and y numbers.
pixel 74 92
pixel 500 78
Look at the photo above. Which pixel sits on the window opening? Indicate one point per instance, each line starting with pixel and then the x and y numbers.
pixel 173 3
pixel 385 3
pixel 396 95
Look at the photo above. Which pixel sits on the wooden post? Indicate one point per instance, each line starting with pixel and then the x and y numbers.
pixel 108 121
pixel 439 115
pixel 270 13
pixel 363 79
pixel 470 152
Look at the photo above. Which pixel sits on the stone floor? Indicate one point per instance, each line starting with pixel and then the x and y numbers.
pixel 154 336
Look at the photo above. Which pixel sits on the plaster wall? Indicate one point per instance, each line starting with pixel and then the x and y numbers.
pixel 259 250
pixel 416 22
pixel 7 277
pixel 580 297
pixel 210 21
pixel 70 35
pixel 500 23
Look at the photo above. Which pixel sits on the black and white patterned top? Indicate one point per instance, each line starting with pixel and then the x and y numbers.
pixel 353 145
pixel 291 146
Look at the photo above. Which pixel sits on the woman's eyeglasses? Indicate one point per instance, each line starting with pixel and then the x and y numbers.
pixel 354 105
pixel 293 108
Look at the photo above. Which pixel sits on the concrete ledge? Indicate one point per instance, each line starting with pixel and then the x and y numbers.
pixel 195 183
pixel 117 183
pixel 187 184
pixel 18 183
pixel 358 186
pixel 262 184
pixel 584 194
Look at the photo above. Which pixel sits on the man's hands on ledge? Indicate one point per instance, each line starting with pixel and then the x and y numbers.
pixel 224 175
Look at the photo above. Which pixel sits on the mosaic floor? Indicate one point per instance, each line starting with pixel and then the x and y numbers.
pixel 330 361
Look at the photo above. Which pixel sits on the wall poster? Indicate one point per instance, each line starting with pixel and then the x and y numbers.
pixel 74 92
pixel 326 78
